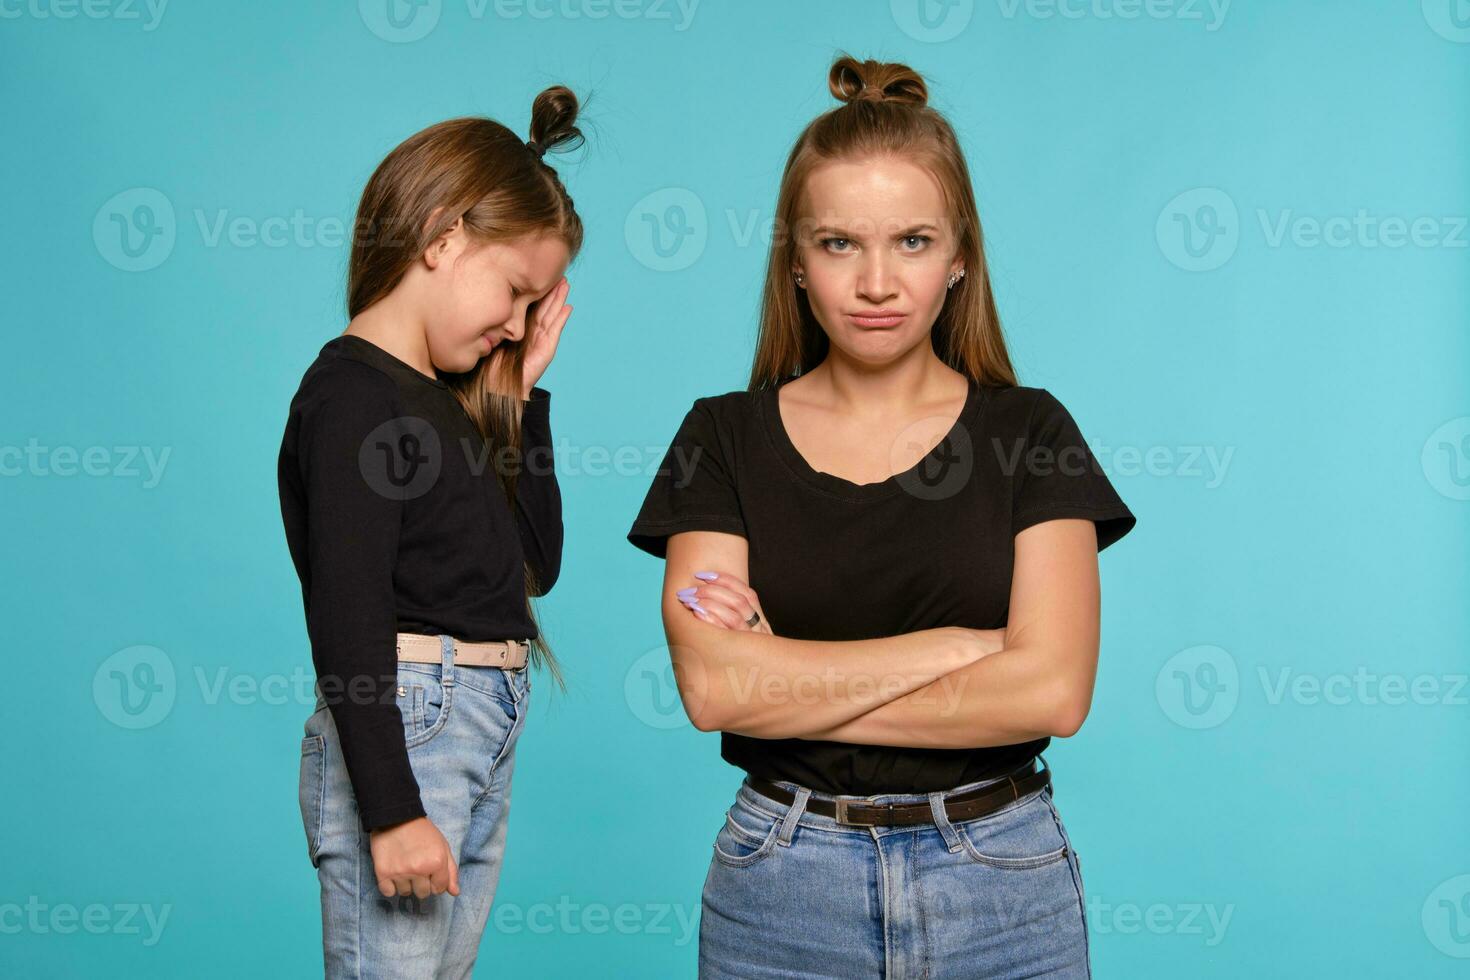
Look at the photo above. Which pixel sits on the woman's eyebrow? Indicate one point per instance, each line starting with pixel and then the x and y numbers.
pixel 905 233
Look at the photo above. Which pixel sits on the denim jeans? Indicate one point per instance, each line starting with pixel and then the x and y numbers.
pixel 461 725
pixel 791 893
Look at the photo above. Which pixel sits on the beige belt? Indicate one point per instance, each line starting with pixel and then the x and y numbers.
pixel 419 648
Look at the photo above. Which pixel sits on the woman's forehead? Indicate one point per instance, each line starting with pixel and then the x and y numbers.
pixel 883 195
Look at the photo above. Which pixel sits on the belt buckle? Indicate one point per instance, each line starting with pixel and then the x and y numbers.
pixel 844 816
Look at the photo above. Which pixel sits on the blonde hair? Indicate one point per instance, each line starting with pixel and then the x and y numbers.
pixel 885 111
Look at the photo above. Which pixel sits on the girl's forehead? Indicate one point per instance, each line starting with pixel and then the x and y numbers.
pixel 538 259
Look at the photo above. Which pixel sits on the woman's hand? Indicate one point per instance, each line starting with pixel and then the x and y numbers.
pixel 722 600
pixel 413 858
pixel 548 317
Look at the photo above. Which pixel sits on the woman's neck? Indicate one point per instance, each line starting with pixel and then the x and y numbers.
pixel 883 391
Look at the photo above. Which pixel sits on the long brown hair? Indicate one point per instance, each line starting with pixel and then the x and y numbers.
pixel 478 169
pixel 885 111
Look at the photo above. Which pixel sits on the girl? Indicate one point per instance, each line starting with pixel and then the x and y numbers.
pixel 422 511
pixel 881 583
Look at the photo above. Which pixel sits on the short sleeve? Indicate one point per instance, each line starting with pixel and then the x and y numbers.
pixel 1058 477
pixel 694 488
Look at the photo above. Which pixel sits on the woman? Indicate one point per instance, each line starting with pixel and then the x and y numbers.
pixel 881 583
pixel 419 535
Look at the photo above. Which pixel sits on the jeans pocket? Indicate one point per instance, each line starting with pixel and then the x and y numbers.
pixel 424 701
pixel 746 837
pixel 311 790
pixel 1020 837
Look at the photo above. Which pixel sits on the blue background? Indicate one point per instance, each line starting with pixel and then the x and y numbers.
pixel 1230 827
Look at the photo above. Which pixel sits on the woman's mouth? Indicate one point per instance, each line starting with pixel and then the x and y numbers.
pixel 877 318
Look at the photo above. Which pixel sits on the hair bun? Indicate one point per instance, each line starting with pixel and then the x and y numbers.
pixel 554 121
pixel 876 81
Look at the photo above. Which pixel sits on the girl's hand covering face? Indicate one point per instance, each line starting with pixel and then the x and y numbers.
pixel 548 316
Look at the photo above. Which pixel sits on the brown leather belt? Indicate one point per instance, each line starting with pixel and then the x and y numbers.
pixel 962 806
pixel 420 648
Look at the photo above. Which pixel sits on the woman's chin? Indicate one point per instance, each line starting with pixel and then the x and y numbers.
pixel 874 348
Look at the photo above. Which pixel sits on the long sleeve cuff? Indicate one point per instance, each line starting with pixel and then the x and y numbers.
pixel 536 410
pixel 390 814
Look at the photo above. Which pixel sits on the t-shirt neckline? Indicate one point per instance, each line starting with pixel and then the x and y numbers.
pixel 836 485
pixel 381 356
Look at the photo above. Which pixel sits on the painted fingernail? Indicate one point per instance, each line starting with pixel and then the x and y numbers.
pixel 687 592
pixel 699 609
pixel 707 576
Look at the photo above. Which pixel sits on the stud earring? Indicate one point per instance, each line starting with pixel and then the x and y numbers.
pixel 801 279
pixel 954 277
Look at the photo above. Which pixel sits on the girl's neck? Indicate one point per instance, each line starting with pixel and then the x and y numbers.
pixel 397 333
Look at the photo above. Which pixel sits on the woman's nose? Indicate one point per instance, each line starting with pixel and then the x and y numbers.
pixel 875 281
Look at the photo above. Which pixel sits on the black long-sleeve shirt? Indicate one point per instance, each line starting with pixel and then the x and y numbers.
pixel 396 522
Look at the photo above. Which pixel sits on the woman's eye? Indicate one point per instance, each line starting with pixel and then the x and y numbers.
pixel 828 243
pixel 921 239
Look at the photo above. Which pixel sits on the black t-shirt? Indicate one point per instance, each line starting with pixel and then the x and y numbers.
pixel 397 522
pixel 833 560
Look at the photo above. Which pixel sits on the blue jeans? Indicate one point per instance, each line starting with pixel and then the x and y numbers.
pixel 460 725
pixel 791 893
